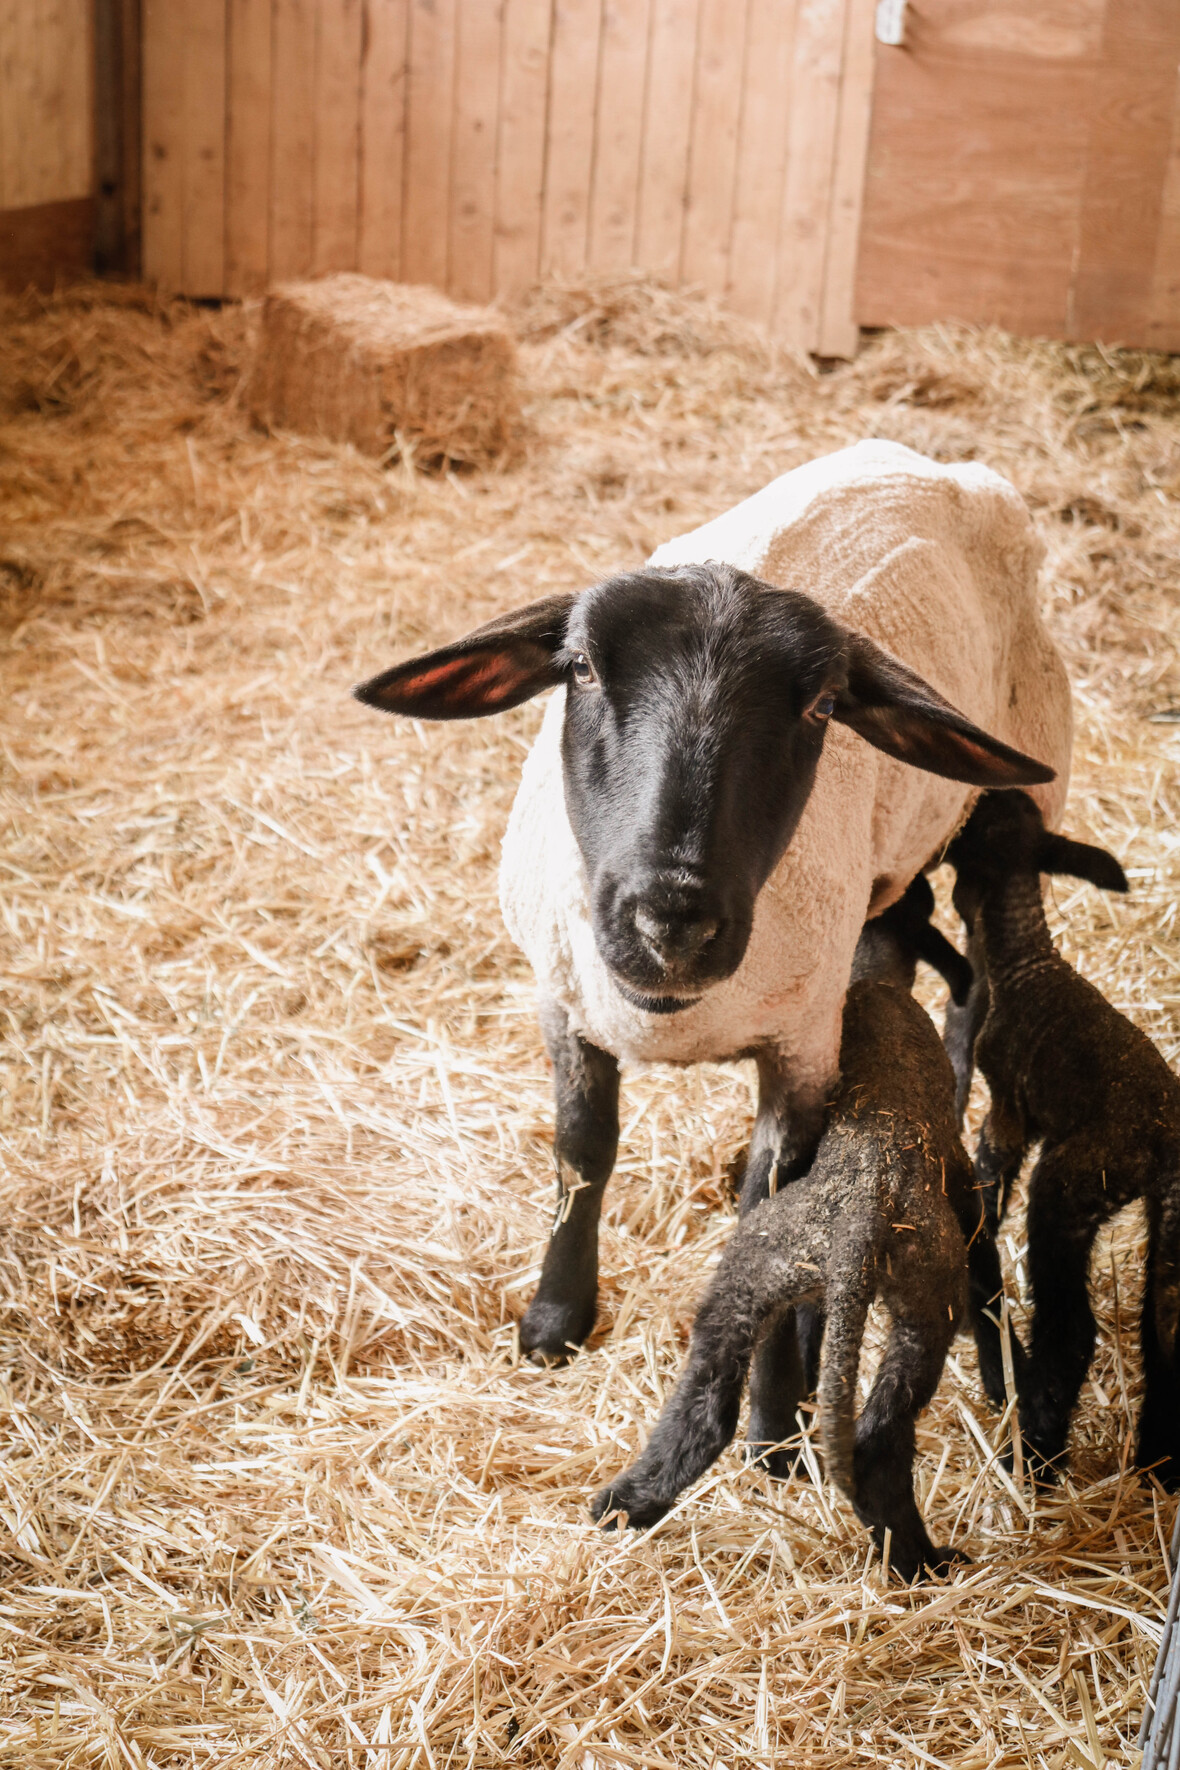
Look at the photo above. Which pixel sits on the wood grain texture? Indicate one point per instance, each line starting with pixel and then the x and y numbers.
pixel 1126 169
pixel 46 101
pixel 384 51
pixel 473 150
pixel 813 101
pixel 761 159
pixel 42 244
pixel 838 328
pixel 1162 329
pixel 614 200
pixel 336 163
pixel 247 168
pixel 163 147
pixel 977 163
pixel 667 121
pixel 569 159
pixel 520 146
pixel 429 115
pixel 292 139
pixel 713 144
pixel 203 151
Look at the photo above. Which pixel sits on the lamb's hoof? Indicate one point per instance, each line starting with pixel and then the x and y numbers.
pixel 916 1561
pixel 1161 1465
pixel 552 1333
pixel 777 1462
pixel 946 1558
pixel 610 1504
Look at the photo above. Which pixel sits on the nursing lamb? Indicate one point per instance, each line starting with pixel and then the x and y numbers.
pixel 719 796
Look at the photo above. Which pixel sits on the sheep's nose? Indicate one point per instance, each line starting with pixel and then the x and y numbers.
pixel 674 939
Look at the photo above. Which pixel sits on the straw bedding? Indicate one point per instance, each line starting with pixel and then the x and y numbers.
pixel 275 1117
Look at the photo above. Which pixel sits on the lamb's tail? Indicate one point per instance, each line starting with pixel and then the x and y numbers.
pixel 852 1284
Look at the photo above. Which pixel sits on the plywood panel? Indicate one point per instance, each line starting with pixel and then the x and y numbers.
pixel 292 139
pixel 813 101
pixel 428 141
pixel 762 158
pixel 336 164
pixel 473 150
pixel 383 136
pixel 666 124
pixel 716 113
pixel 1126 168
pixel 520 147
pixel 977 162
pixel 569 160
pixel 247 176
pixel 614 200
pixel 163 146
pixel 203 268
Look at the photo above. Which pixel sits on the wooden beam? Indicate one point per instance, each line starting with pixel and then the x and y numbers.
pixel 383 137
pixel 520 147
pixel 248 147
pixel 569 150
pixel 479 26
pixel 614 199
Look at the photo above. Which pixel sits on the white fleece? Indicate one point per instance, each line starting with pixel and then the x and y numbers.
pixel 938 565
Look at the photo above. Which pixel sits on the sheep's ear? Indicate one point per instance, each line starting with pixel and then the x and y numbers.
pixel 499 665
pixel 895 709
pixel 1081 860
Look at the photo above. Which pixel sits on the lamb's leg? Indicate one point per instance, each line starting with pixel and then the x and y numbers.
pixel 1062 1224
pixel 586 1085
pixel 883 1460
pixel 961 1028
pixel 1158 1446
pixel 998 1159
pixel 786 1365
pixel 701 1415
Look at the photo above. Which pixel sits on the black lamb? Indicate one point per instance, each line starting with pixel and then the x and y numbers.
pixel 1066 1069
pixel 884 1211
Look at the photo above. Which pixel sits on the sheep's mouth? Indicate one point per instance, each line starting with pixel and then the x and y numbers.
pixel 656 1004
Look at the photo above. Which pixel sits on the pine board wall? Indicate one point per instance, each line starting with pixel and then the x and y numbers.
pixel 479 144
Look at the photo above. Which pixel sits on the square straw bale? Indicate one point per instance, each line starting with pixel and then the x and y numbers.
pixel 394 368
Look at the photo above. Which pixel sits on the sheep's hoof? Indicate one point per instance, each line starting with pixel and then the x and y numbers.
pixel 552 1333
pixel 620 1503
pixel 780 1464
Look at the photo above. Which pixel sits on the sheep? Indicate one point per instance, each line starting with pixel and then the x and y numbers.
pixel 719 797
pixel 1066 1068
pixel 884 1211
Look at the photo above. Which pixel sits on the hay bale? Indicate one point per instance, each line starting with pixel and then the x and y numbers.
pixel 395 368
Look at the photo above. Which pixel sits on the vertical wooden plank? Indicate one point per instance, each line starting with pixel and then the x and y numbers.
pixel 429 119
pixel 520 148
pixel 761 159
pixel 336 166
pixel 569 147
pixel 1163 317
pixel 666 125
pixel 47 120
pixel 813 99
pixel 292 138
pixel 10 22
pixel 473 153
pixel 712 155
pixel 73 89
pixel 614 200
pixel 1126 167
pixel 163 145
pixel 247 178
pixel 839 333
pixel 383 136
pixel 131 12
pixel 203 260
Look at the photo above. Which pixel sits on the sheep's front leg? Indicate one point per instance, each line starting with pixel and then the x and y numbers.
pixel 1064 1215
pixel 586 1086
pixel 1158 1446
pixel 786 1364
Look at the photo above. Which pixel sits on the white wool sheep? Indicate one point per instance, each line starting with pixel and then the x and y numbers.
pixel 938 565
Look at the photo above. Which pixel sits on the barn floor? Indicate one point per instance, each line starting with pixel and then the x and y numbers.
pixel 275 1120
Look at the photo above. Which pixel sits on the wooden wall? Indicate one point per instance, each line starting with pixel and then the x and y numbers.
pixel 46 127
pixel 1024 169
pixel 479 144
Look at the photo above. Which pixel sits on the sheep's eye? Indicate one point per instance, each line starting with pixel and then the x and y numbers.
pixel 822 707
pixel 583 670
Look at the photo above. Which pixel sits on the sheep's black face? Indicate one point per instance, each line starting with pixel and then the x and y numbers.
pixel 697 705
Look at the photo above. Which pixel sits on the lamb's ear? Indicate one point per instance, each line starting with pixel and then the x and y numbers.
pixel 496 667
pixel 1081 860
pixel 894 708
pixel 955 971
